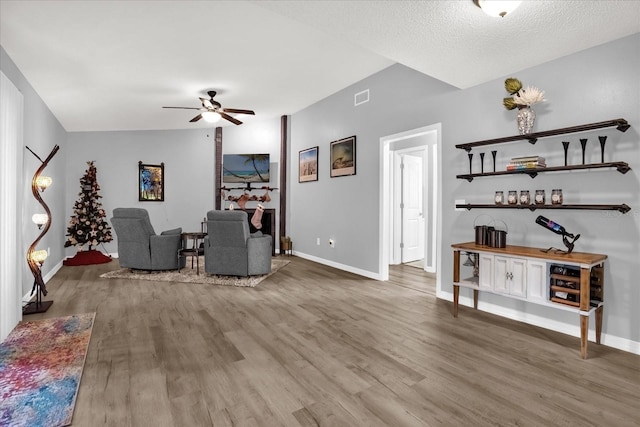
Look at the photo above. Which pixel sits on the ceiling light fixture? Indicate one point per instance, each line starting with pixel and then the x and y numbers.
pixel 497 8
pixel 210 116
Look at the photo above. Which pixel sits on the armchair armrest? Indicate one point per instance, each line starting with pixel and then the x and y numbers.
pixel 164 251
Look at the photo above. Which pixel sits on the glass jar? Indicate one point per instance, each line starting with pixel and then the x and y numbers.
pixel 512 198
pixel 556 196
pixel 499 198
pixel 525 199
pixel 539 198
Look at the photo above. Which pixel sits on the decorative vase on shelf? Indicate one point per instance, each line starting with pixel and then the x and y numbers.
pixel 526 118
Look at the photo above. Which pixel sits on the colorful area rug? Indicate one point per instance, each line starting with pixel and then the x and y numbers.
pixel 41 365
pixel 188 275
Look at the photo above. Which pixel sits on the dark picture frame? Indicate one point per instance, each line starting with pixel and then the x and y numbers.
pixel 150 182
pixel 343 157
pixel 308 165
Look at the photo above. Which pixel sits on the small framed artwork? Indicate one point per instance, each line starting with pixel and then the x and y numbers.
pixel 150 182
pixel 343 157
pixel 308 165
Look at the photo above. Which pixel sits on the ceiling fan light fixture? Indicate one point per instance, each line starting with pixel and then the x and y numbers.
pixel 210 116
pixel 497 8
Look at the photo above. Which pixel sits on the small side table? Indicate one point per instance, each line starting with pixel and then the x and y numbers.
pixel 191 247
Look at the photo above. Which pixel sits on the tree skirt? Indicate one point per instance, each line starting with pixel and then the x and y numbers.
pixel 87 258
pixel 41 365
pixel 188 275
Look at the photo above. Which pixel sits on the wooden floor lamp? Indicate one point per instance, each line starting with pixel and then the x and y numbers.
pixel 35 258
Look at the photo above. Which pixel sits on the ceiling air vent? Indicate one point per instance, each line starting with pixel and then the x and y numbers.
pixel 361 97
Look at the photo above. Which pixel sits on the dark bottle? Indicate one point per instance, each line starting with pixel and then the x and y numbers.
pixel 553 226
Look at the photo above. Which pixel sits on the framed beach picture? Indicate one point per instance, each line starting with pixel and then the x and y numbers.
pixel 150 182
pixel 308 165
pixel 343 157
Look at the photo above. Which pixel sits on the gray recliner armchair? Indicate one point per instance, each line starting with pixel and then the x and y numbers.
pixel 139 247
pixel 231 250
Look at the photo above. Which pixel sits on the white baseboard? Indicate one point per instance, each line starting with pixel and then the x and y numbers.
pixel 339 266
pixel 623 344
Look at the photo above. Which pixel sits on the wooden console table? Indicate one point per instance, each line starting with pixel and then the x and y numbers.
pixel 535 276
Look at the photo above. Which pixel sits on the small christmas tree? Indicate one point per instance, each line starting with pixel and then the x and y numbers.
pixel 87 226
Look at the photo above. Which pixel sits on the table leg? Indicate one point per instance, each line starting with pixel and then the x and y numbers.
pixel 456 296
pixel 599 311
pixel 475 299
pixel 584 335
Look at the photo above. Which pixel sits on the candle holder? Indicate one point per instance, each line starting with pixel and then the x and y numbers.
pixel 583 143
pixel 481 162
pixel 493 154
pixel 603 140
pixel 470 158
pixel 565 144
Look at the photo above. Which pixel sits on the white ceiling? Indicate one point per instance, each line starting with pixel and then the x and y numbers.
pixel 112 65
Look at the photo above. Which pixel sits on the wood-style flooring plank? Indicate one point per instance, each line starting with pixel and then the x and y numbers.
pixel 316 346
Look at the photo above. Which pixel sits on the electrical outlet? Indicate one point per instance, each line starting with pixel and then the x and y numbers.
pixel 332 243
pixel 318 241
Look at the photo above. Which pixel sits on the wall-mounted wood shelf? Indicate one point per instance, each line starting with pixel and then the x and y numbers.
pixel 620 124
pixel 621 167
pixel 620 208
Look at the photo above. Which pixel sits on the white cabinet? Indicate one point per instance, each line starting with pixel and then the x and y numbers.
pixel 510 276
pixel 537 279
pixel 485 272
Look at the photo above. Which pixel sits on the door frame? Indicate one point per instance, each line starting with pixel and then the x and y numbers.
pixel 385 207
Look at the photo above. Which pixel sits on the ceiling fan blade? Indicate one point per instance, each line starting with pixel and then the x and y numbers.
pixel 187 108
pixel 228 117
pixel 206 103
pixel 235 110
pixel 196 118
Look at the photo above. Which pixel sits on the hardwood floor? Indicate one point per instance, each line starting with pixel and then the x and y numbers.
pixel 312 346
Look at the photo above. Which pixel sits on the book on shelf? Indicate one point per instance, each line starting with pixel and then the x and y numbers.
pixel 527 159
pixel 525 166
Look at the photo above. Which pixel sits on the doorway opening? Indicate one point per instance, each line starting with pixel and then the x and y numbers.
pixel 409 202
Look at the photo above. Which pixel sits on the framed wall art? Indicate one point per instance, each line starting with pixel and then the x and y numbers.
pixel 308 165
pixel 150 182
pixel 343 157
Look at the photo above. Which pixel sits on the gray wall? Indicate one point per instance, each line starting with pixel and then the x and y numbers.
pixel 594 85
pixel 42 132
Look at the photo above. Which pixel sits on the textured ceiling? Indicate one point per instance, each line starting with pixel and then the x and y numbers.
pixel 112 65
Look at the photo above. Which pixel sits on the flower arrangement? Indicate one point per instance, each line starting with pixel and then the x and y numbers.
pixel 521 97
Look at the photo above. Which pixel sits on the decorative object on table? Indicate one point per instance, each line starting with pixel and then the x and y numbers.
pixel 188 275
pixel 583 144
pixel 556 196
pixel 512 197
pixel 558 229
pixel 499 198
pixel 482 230
pixel 308 165
pixel 603 140
pixel 526 163
pixel 41 364
pixel 497 238
pixel 522 99
pixel 481 162
pixel 539 198
pixel 343 157
pixel 35 258
pixel 150 182
pixel 565 144
pixel 525 198
pixel 88 226
pixel 493 154
pixel 470 159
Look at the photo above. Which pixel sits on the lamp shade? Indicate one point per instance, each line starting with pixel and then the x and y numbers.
pixel 42 182
pixel 210 116
pixel 39 256
pixel 40 219
pixel 497 8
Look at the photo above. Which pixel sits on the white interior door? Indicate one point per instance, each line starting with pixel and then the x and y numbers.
pixel 412 208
